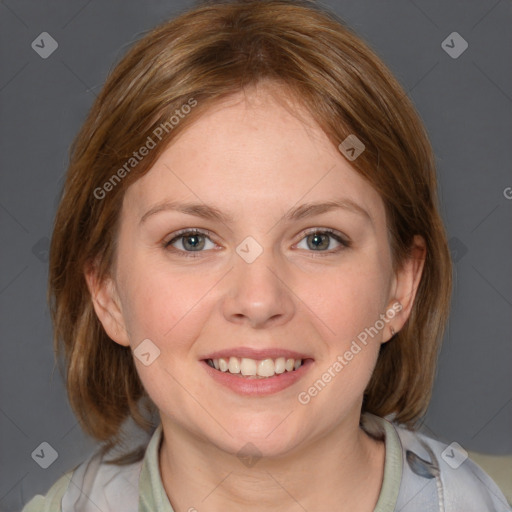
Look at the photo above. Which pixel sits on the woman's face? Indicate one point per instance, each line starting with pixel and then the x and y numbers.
pixel 291 261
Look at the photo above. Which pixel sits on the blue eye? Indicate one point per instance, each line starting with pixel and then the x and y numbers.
pixel 320 241
pixel 192 240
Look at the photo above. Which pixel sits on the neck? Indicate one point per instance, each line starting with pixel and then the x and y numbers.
pixel 342 470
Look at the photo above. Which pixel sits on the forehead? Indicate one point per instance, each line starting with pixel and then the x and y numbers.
pixel 252 151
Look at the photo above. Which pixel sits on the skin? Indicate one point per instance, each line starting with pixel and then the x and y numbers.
pixel 253 158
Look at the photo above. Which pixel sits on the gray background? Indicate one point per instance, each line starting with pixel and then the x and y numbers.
pixel 466 104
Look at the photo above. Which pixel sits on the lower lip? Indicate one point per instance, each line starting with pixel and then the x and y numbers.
pixel 258 387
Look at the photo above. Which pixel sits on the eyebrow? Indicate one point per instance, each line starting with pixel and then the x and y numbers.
pixel 304 210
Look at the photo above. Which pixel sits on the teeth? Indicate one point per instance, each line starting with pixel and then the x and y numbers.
pixel 248 366
pixel 234 365
pixel 266 368
pixel 255 368
pixel 223 365
pixel 279 365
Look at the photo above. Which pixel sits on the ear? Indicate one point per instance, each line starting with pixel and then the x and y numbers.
pixel 107 306
pixel 405 285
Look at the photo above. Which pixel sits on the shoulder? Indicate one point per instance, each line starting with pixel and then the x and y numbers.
pixel 93 485
pixel 51 502
pixel 445 472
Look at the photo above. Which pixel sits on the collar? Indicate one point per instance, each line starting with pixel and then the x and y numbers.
pixel 152 494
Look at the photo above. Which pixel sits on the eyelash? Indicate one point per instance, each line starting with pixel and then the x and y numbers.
pixel 190 254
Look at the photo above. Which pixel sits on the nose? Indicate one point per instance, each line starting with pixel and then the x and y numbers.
pixel 259 293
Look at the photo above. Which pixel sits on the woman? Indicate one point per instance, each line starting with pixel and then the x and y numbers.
pixel 249 245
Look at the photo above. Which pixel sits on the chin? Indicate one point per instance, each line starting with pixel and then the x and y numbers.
pixel 266 441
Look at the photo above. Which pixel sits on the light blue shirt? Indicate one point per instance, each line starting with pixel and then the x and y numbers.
pixel 420 475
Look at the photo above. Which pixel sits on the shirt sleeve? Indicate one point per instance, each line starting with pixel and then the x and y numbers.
pixel 51 502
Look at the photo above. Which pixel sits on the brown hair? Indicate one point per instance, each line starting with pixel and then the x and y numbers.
pixel 207 53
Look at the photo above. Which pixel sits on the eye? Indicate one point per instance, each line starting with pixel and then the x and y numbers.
pixel 320 240
pixel 190 240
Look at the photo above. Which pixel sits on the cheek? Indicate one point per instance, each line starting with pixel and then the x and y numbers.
pixel 353 298
pixel 160 304
pixel 167 309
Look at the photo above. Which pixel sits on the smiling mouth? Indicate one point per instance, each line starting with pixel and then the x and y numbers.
pixel 255 369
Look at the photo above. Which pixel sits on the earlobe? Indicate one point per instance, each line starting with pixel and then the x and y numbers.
pixel 107 306
pixel 406 282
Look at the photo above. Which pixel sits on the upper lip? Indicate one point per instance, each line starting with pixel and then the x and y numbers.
pixel 258 354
